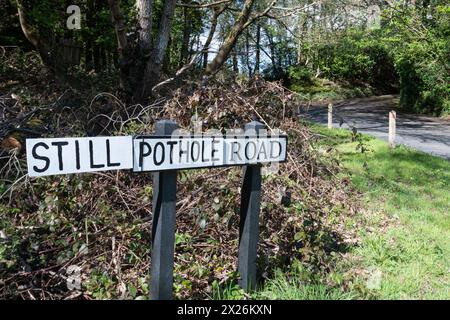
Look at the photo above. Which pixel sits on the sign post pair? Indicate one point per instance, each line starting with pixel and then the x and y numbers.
pixel 164 212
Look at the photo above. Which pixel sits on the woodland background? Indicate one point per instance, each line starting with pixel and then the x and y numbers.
pixel 218 64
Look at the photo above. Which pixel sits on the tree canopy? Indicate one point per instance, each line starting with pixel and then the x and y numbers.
pixel 384 46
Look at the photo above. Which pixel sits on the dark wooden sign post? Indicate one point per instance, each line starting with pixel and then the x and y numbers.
pixel 163 231
pixel 249 220
pixel 164 153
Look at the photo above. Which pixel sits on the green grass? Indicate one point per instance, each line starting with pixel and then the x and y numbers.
pixel 326 90
pixel 406 243
pixel 291 288
pixel 404 251
pixel 295 286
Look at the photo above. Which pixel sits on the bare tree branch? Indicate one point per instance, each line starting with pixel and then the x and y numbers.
pixel 119 26
pixel 203 5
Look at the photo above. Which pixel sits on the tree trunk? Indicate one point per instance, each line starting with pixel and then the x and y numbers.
pixel 230 41
pixel 100 53
pixel 203 53
pixel 42 45
pixel 247 56
pixel 212 31
pixel 119 27
pixel 165 25
pixel 154 64
pixel 272 51
pixel 97 57
pixel 258 49
pixel 122 46
pixel 88 55
pixel 145 10
pixel 235 64
pixel 141 69
pixel 90 18
pixel 187 30
pixel 166 66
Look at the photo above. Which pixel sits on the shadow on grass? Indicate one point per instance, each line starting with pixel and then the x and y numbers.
pixel 403 168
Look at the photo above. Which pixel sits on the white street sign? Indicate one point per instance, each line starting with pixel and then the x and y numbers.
pixel 152 153
pixel 149 153
pixel 75 155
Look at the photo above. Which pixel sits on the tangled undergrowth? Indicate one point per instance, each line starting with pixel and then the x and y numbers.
pixel 96 227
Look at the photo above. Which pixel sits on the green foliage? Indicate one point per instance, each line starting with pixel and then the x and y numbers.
pixel 48 15
pixel 284 287
pixel 405 245
pixel 423 60
pixel 10 32
pixel 409 53
pixel 352 58
pixel 301 75
pixel 229 290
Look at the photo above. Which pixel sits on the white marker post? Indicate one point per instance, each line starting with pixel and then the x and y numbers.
pixel 392 128
pixel 330 116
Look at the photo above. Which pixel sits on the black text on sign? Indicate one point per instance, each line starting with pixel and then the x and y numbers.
pixel 163 153
pixel 75 155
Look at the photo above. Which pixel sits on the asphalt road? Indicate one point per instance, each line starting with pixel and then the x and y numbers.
pixel 371 116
